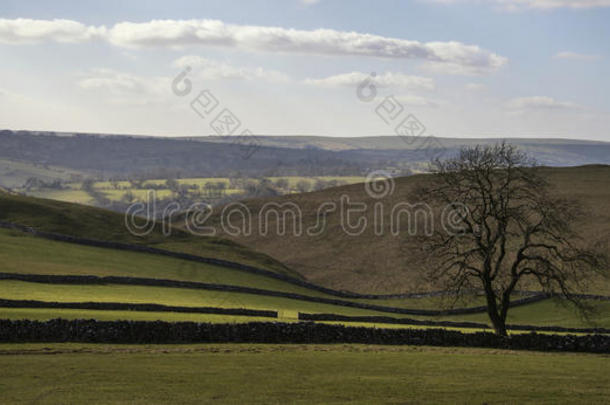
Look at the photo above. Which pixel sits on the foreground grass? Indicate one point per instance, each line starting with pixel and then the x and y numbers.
pixel 298 374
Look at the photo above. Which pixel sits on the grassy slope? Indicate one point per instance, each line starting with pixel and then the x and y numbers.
pixel 380 264
pixel 20 253
pixel 18 290
pixel 95 223
pixel 550 313
pixel 264 374
pixel 23 253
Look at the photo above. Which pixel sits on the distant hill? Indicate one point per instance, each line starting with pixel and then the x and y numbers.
pixel 162 157
pixel 61 155
pixel 388 141
pixel 379 263
pixel 552 152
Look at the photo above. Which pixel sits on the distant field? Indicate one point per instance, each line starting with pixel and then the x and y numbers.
pixel 296 374
pixel 116 191
pixel 73 196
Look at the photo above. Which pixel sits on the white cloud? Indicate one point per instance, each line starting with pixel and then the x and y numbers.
pixel 175 33
pixel 24 31
pixel 539 103
pixel 513 5
pixel 181 33
pixel 388 79
pixel 575 56
pixel 211 69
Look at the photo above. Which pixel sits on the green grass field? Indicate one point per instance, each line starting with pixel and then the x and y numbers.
pixel 18 290
pixel 94 223
pixel 296 374
pixel 541 314
pixel 21 253
pixel 549 313
pixel 72 196
pixel 45 314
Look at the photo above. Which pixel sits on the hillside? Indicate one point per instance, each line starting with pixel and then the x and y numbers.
pixel 44 278
pixel 16 173
pixel 379 263
pixel 99 224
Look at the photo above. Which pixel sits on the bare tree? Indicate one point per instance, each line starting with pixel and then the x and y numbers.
pixel 509 231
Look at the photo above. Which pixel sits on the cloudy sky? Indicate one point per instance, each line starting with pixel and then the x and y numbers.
pixel 464 68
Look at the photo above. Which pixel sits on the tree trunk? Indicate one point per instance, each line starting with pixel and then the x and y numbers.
pixel 497 320
pixel 499 325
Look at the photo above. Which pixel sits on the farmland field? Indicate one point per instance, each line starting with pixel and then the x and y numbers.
pixel 25 254
pixel 29 255
pixel 305 202
pixel 120 190
pixel 295 374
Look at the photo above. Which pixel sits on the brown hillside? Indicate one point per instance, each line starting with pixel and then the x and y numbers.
pixel 369 263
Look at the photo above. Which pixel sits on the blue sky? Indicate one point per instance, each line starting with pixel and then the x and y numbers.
pixel 465 68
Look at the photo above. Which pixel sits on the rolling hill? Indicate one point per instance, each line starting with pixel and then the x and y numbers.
pixel 95 223
pixel 42 277
pixel 375 263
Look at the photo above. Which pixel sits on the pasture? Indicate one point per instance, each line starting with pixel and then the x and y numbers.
pixel 296 374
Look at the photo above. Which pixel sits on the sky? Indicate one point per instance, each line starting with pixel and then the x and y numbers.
pixel 463 68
